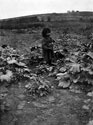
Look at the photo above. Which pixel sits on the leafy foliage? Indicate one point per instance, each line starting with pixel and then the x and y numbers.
pixel 38 86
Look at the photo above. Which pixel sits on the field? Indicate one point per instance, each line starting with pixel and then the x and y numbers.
pixel 47 95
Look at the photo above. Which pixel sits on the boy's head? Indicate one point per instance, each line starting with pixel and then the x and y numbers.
pixel 46 32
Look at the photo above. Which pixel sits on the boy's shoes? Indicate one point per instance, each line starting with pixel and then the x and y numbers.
pixel 50 64
pixel 53 64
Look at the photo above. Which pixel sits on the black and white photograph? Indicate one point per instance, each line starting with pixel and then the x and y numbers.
pixel 46 62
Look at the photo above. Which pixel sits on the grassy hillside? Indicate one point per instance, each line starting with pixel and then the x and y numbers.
pixel 39 20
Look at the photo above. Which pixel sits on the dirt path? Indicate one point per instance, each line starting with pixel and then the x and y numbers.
pixel 62 107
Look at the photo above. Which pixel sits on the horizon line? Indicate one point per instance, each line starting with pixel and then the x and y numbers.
pixel 44 13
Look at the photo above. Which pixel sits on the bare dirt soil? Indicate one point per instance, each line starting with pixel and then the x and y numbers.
pixel 61 107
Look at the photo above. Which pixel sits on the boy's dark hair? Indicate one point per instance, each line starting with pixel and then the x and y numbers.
pixel 45 31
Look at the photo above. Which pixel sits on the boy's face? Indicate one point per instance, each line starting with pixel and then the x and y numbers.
pixel 48 34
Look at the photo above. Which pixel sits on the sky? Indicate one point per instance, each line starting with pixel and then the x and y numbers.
pixel 16 8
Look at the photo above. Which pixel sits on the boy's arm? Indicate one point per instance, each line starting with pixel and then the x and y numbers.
pixel 44 45
pixel 52 40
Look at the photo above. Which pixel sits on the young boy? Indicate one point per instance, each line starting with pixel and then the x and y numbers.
pixel 47 46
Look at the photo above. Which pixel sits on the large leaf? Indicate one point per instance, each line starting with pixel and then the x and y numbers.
pixel 64 84
pixel 7 77
pixel 75 68
pixel 62 69
pixel 90 54
pixel 13 61
pixel 62 75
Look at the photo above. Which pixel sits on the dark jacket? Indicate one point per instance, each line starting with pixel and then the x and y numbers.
pixel 47 43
